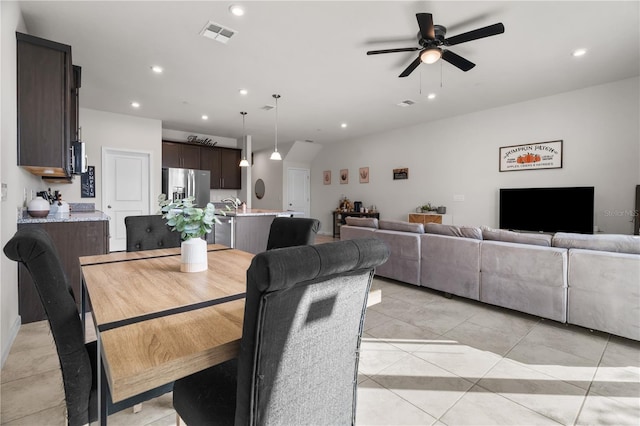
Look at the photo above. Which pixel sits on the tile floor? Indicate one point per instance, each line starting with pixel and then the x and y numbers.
pixel 425 360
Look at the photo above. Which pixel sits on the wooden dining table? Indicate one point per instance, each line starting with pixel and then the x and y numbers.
pixel 155 324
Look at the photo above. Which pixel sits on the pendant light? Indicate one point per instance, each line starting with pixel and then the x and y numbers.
pixel 276 155
pixel 244 162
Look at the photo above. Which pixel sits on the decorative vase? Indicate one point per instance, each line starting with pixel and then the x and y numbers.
pixel 193 255
pixel 38 207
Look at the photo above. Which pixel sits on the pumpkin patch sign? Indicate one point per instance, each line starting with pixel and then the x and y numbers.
pixel 543 155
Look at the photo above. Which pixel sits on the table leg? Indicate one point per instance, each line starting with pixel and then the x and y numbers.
pixel 83 309
pixel 102 387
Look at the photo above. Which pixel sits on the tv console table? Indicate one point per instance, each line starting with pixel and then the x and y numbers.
pixel 425 218
pixel 339 219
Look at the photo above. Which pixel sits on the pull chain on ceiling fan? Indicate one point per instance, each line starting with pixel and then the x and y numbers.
pixel 434 44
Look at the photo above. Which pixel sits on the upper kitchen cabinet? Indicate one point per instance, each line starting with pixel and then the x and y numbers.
pixel 45 88
pixel 180 155
pixel 230 169
pixel 223 163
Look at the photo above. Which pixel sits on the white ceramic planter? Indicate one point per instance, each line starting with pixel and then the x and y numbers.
pixel 38 207
pixel 193 255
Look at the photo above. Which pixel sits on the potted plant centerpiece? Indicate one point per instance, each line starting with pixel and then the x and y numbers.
pixel 193 223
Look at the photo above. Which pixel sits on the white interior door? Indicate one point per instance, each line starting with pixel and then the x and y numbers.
pixel 298 187
pixel 125 189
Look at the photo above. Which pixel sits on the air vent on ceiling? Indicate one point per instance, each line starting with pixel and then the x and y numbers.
pixel 267 107
pixel 406 103
pixel 217 32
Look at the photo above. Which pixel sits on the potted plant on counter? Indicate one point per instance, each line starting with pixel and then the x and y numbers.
pixel 193 223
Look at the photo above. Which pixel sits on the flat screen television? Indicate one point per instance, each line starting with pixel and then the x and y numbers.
pixel 547 209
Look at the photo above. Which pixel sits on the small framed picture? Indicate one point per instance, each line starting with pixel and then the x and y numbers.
pixel 326 177
pixel 364 174
pixel 344 176
pixel 401 173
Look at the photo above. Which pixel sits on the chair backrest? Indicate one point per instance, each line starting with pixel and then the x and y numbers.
pixel 34 248
pixel 304 313
pixel 149 232
pixel 292 231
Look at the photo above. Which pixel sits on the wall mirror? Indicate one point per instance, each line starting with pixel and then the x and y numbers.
pixel 259 189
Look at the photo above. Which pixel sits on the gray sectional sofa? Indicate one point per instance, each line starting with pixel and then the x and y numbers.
pixel 588 280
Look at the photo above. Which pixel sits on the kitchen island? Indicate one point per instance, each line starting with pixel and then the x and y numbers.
pixel 248 230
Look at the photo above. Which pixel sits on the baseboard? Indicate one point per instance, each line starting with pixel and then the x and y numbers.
pixel 13 333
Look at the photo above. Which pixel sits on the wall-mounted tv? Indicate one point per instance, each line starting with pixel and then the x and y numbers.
pixel 547 209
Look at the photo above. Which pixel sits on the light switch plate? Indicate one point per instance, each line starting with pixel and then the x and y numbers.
pixel 458 197
pixel 4 192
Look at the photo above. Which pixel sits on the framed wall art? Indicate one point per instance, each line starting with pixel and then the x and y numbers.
pixel 401 173
pixel 326 177
pixel 364 174
pixel 543 155
pixel 344 176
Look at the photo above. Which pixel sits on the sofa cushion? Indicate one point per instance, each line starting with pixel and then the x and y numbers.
pixel 454 230
pixel 398 225
pixel 516 237
pixel 366 222
pixel 605 242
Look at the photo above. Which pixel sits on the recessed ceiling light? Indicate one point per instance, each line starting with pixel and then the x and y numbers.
pixel 343 125
pixel 236 10
pixel 243 91
pixel 431 96
pixel 579 52
pixel 205 117
pixel 157 69
pixel 135 104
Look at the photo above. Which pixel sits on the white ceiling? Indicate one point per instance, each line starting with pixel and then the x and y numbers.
pixel 313 55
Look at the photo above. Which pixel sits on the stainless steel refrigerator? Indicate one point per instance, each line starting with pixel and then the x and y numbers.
pixel 183 183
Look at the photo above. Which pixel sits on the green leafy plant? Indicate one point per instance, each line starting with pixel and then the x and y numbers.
pixel 427 207
pixel 187 218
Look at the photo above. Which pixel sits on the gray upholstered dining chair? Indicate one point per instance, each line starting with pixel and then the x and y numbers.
pixel 34 248
pixel 148 232
pixel 292 231
pixel 298 361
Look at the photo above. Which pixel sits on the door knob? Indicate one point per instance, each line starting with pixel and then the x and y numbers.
pixel 109 206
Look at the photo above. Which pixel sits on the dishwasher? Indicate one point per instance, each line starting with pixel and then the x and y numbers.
pixel 224 232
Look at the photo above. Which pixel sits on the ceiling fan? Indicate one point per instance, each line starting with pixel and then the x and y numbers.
pixel 434 45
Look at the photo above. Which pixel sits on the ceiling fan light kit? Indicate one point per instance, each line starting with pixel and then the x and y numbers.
pixel 434 45
pixel 430 56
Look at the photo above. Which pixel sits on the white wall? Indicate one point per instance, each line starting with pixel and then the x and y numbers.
pixel 108 130
pixel 459 156
pixel 270 172
pixel 16 178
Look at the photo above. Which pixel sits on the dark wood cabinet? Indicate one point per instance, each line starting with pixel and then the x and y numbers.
pixel 230 177
pixel 210 160
pixel 180 155
pixel 72 240
pixel 223 163
pixel 44 83
pixel 339 219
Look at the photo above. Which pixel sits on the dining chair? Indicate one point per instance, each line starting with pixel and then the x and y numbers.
pixel 298 359
pixel 78 361
pixel 292 231
pixel 148 232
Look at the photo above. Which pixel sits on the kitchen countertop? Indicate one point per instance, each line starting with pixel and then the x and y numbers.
pixel 92 216
pixel 261 212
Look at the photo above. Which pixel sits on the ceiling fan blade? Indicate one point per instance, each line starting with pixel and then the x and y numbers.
pixel 425 22
pixel 457 60
pixel 412 66
pixel 403 49
pixel 483 32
